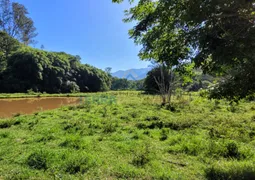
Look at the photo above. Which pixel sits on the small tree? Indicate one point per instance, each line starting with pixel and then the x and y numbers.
pixel 42 47
pixel 108 70
pixel 161 80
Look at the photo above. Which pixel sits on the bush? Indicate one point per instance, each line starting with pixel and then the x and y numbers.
pixel 203 93
pixel 140 160
pixel 163 136
pixel 79 164
pixel 72 142
pixel 141 126
pixel 71 87
pixel 109 127
pixel 232 151
pixel 37 160
pixel 142 156
pixel 4 134
pixel 8 123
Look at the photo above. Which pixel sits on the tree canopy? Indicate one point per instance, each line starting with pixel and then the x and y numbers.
pixel 125 84
pixel 7 45
pixel 217 35
pixel 42 71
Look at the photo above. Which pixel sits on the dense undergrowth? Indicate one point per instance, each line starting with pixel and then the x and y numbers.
pixel 134 138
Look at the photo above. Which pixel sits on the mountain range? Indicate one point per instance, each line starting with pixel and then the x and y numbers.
pixel 132 74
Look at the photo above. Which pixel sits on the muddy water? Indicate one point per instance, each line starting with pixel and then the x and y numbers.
pixel 10 107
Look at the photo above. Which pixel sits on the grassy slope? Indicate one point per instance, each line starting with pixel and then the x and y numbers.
pixel 134 138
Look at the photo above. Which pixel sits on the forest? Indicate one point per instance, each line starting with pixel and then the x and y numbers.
pixel 191 117
pixel 25 68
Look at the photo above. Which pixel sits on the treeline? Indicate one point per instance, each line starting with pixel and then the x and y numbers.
pixel 198 81
pixel 24 68
pixel 125 84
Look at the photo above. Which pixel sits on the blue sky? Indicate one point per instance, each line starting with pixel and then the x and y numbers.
pixel 92 29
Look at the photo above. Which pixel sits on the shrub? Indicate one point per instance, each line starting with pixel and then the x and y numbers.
pixel 8 123
pixel 134 114
pixel 136 136
pixel 109 127
pixel 141 126
pixel 141 157
pixel 72 127
pixel 4 134
pixel 37 160
pixel 72 142
pixel 233 107
pixel 203 93
pixel 171 107
pixel 232 151
pixel 79 164
pixel 5 124
pixel 104 112
pixel 154 125
pixel 179 93
pixel 163 136
pixel 31 92
pixel 146 132
pixel 140 160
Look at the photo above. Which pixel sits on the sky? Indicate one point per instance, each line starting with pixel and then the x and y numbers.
pixel 92 29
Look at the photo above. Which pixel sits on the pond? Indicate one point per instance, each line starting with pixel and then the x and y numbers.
pixel 10 107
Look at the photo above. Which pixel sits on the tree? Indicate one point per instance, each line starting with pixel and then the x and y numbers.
pixel 14 21
pixel 7 45
pixel 161 81
pixel 42 47
pixel 108 70
pixel 217 35
pixel 120 84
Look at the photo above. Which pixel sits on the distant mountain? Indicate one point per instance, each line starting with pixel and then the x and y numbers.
pixel 132 74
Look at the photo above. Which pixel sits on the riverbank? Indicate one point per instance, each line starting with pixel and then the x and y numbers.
pixel 132 138
pixel 34 95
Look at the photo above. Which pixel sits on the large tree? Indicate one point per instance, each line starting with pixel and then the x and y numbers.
pixel 218 35
pixel 14 21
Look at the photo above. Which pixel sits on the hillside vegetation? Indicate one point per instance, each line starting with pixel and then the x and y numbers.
pixel 27 69
pixel 132 138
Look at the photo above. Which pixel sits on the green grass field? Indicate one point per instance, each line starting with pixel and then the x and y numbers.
pixel 134 138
